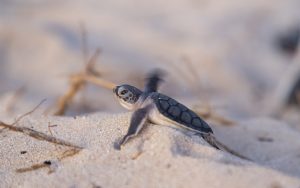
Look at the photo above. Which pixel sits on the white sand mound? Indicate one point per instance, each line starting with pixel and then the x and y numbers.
pixel 159 157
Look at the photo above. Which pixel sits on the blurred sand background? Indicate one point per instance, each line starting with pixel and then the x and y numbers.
pixel 218 55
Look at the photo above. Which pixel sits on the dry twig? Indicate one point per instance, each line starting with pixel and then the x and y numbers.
pixel 49 129
pixel 69 153
pixel 136 155
pixel 84 42
pixel 99 81
pixel 65 100
pixel 64 155
pixel 27 113
pixel 180 71
pixel 17 94
pixel 78 81
pixel 208 114
pixel 35 134
pixel 39 135
pixel 193 78
pixel 191 68
pixel 31 168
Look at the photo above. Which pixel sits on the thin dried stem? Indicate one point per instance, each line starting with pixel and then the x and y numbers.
pixel 32 168
pixel 99 81
pixel 208 114
pixel 35 134
pixel 69 153
pixel 78 81
pixel 65 100
pixel 137 155
pixel 191 68
pixel 90 66
pixel 39 135
pixel 84 42
pixel 180 71
pixel 26 114
pixel 49 129
pixel 222 120
pixel 66 154
pixel 17 94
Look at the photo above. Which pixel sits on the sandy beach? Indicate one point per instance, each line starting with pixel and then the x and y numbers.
pixel 220 58
pixel 160 157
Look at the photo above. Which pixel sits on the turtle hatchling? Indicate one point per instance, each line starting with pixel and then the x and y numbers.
pixel 152 106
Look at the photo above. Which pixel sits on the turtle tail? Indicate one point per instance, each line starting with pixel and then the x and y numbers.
pixel 209 138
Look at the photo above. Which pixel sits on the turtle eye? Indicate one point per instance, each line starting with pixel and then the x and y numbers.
pixel 123 92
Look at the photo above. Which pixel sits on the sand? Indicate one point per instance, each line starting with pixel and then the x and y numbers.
pixel 218 55
pixel 160 157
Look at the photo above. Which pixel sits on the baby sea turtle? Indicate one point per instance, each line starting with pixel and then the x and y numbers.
pixel 157 108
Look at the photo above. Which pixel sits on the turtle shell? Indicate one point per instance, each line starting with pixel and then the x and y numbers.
pixel 176 111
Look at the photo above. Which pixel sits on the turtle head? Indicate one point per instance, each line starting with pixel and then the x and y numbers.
pixel 127 95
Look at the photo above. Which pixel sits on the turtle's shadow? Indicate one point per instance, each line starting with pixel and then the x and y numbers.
pixel 267 142
pixel 186 144
pixel 189 145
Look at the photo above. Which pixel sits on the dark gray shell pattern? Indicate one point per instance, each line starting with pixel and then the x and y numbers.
pixel 175 111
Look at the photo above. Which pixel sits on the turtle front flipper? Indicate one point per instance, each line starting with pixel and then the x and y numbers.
pixel 153 80
pixel 137 122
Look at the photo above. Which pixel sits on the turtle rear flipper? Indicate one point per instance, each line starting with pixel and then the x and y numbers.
pixel 209 138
